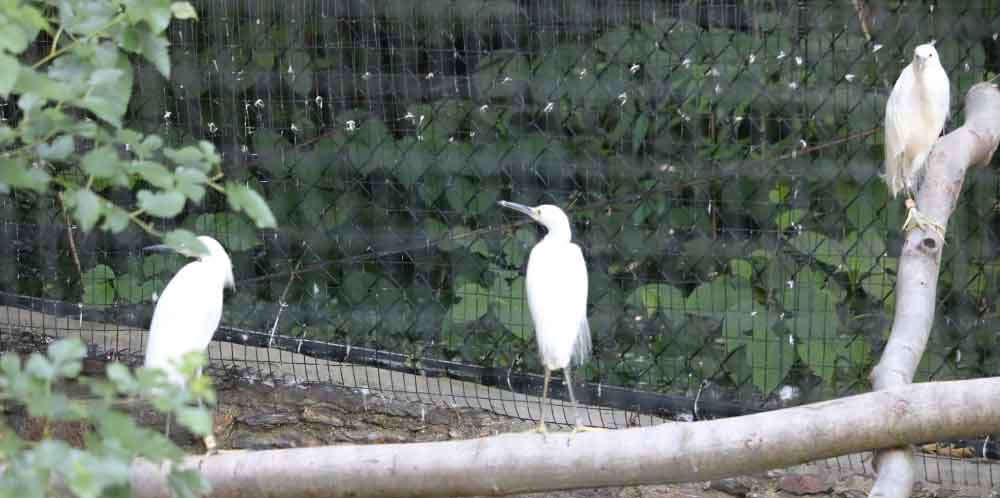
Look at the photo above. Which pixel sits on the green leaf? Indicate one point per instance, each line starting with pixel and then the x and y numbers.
pixel 103 162
pixel 87 208
pixel 787 219
pixel 9 68
pixel 154 49
pixel 356 286
pixel 473 303
pixel 719 295
pixel 109 101
pixel 163 204
pixel 97 286
pixel 191 183
pixel 197 420
pixel 183 10
pixel 155 13
pixel 741 268
pixel 190 156
pixel 58 150
pixel 116 219
pixel 14 172
pixel 510 303
pixel 153 173
pixel 819 246
pixel 184 242
pixel 243 198
pixel 657 297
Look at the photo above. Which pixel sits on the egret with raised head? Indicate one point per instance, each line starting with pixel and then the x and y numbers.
pixel 556 287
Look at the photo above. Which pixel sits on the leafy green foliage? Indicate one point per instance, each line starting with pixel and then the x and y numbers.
pixel 87 74
pixel 112 439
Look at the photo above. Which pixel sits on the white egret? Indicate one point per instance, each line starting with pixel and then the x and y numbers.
pixel 914 117
pixel 556 286
pixel 188 311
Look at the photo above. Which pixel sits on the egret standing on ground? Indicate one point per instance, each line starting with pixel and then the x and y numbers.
pixel 556 286
pixel 914 118
pixel 188 311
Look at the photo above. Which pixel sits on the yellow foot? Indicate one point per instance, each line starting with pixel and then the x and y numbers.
pixel 584 428
pixel 540 428
pixel 916 219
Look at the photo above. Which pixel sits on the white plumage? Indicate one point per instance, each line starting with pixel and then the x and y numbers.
pixel 556 287
pixel 189 309
pixel 914 117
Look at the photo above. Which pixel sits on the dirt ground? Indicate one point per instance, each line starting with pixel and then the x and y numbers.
pixel 262 415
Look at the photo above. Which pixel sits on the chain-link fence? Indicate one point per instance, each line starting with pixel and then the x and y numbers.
pixel 719 161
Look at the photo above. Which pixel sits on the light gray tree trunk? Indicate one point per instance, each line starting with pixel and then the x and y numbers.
pixel 920 262
pixel 673 452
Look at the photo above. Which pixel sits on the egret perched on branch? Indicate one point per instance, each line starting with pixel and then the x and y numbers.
pixel 914 118
pixel 556 286
pixel 189 310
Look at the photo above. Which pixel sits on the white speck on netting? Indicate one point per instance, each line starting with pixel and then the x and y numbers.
pixel 319 101
pixel 966 65
pixel 670 232
pixel 128 147
pixel 294 128
pixel 683 115
pixel 548 108
pixel 798 60
pixel 258 21
pixel 290 69
pixel 315 289
pixel 958 356
pixel 623 98
pixel 259 103
pixel 718 88
pixel 420 138
pixel 451 140
pixel 791 340
pixel 931 8
pixel 876 47
pixel 995 36
pixel 787 392
pixel 667 168
pixel 738 119
pixel 849 77
pixel 638 318
pixel 751 59
pixel 790 284
pixel 686 63
pixel 351 125
pixel 793 85
pixel 634 68
pixel 429 75
pixel 753 313
pixel 709 207
pixel 781 54
pixel 212 128
pixel 713 72
pixel 409 115
pixel 582 72
pixel 506 79
pixel 244 337
pixel 244 149
pixel 215 64
pixel 802 144
pixel 166 115
pixel 472 134
pixel 484 108
pixel 421 122
pixel 366 75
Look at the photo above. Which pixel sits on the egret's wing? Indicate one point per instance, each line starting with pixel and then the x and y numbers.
pixel 186 316
pixel 898 117
pixel 557 296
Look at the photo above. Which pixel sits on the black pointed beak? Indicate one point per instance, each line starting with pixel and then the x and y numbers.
pixel 521 208
pixel 158 248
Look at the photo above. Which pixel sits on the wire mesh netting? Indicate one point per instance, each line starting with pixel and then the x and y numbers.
pixel 719 160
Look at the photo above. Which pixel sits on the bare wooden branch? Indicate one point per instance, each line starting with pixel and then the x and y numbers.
pixel 673 452
pixel 920 262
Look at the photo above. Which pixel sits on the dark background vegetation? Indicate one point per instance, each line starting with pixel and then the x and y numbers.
pixel 736 241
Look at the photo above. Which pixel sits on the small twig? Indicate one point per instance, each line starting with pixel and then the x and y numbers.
pixel 69 236
pixel 809 150
pixel 281 302
pixel 862 9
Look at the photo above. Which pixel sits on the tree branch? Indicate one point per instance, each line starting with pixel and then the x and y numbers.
pixel 920 263
pixel 673 452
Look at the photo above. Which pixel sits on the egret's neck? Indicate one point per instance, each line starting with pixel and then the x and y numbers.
pixel 559 233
